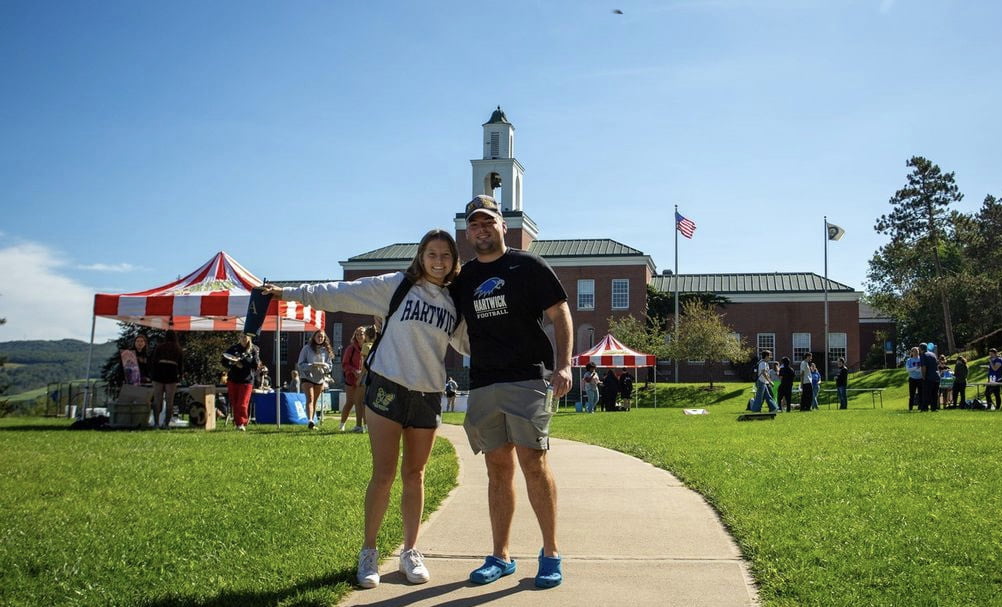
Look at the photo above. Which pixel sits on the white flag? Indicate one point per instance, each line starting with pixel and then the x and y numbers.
pixel 834 232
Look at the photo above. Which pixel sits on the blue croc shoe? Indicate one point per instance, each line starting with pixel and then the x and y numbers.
pixel 492 569
pixel 550 574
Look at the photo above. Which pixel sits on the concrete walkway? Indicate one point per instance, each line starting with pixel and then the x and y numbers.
pixel 629 534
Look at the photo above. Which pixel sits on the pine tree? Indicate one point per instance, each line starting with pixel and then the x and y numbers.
pixel 920 221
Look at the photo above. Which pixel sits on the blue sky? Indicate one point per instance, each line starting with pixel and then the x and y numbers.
pixel 139 138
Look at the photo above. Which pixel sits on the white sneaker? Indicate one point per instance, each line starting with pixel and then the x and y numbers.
pixel 368 568
pixel 412 566
pixel 341 428
pixel 358 429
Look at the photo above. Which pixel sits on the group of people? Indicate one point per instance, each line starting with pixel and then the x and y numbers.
pixel 767 371
pixel 931 383
pixel 164 368
pixel 492 308
pixel 616 387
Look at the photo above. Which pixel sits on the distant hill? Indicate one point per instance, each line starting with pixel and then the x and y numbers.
pixel 33 364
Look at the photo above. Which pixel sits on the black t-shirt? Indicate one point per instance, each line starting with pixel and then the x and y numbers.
pixel 503 303
pixel 931 364
pixel 786 376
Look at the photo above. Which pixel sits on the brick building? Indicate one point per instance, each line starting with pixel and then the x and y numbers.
pixel 604 278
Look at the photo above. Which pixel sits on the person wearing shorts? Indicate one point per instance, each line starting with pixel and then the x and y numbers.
pixel 503 295
pixel 404 392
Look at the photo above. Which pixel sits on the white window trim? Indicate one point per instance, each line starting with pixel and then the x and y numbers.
pixel 592 282
pixel 612 295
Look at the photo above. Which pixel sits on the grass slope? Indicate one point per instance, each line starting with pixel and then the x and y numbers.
pixel 187 517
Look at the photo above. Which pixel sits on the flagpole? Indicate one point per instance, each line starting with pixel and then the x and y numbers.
pixel 675 219
pixel 827 356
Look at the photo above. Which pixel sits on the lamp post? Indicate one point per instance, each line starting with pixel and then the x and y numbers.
pixel 591 337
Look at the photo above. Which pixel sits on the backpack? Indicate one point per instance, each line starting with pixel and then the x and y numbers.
pixel 398 297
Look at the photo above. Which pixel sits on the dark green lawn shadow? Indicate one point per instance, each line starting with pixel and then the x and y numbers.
pixel 316 592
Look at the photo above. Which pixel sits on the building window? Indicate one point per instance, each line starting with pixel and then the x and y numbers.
pixel 801 346
pixel 765 341
pixel 837 346
pixel 586 294
pixel 620 293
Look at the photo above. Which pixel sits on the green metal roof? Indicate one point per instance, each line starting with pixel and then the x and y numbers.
pixel 401 251
pixel 777 282
pixel 600 247
pixel 597 247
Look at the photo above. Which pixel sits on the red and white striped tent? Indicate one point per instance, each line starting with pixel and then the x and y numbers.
pixel 212 298
pixel 611 353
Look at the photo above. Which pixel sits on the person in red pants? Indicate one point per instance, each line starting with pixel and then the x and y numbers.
pixel 243 360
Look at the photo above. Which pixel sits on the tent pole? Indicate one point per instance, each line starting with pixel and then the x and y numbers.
pixel 278 364
pixel 90 354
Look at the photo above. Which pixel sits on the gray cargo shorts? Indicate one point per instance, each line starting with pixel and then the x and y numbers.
pixel 510 412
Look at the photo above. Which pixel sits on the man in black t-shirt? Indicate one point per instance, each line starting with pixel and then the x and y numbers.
pixel 503 295
pixel 930 379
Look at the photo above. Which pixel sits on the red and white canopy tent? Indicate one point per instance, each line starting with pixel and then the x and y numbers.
pixel 610 352
pixel 214 297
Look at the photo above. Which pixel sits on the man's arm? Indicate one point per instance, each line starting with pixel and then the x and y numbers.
pixel 560 315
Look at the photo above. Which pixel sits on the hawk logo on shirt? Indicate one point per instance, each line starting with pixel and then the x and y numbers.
pixel 487 305
pixel 488 286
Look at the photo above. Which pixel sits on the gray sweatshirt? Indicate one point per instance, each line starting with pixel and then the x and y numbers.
pixel 412 350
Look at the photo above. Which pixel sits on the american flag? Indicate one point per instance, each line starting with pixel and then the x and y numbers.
pixel 686 226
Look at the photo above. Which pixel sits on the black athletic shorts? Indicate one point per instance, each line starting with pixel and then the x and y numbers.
pixel 407 407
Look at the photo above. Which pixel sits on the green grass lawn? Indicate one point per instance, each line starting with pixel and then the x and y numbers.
pixel 186 517
pixel 858 507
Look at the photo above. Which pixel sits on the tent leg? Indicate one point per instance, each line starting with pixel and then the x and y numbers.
pixel 278 369
pixel 87 385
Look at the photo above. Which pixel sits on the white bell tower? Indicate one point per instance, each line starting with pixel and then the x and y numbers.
pixel 498 169
pixel 498 174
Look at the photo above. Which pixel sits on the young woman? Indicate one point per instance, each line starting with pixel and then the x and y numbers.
pixel 404 395
pixel 167 368
pixel 242 360
pixel 352 366
pixel 315 360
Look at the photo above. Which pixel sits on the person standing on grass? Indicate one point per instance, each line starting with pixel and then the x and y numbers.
pixel 930 379
pixel 960 371
pixel 242 361
pixel 166 369
pixel 815 385
pixel 785 390
pixel 451 387
pixel 994 387
pixel 626 388
pixel 315 363
pixel 806 387
pixel 763 384
pixel 405 380
pixel 842 384
pixel 591 383
pixel 914 366
pixel 504 295
pixel 351 367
